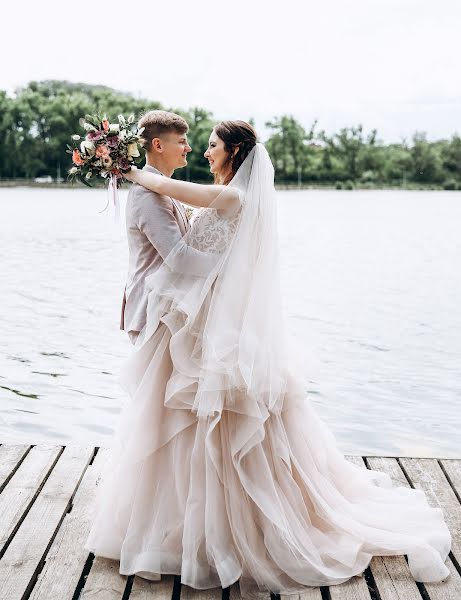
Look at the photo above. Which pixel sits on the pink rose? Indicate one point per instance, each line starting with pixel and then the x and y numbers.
pixel 102 150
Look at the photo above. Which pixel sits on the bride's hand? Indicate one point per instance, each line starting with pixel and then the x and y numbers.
pixel 131 174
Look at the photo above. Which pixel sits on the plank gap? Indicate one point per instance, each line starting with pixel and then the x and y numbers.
pixel 325 593
pixel 176 594
pixel 42 561
pixel 18 464
pixel 71 499
pixel 453 487
pixel 422 591
pixel 407 477
pixel 371 584
pixel 82 579
pixel 96 450
pixel 128 587
pixel 29 506
pixel 455 562
pixel 367 464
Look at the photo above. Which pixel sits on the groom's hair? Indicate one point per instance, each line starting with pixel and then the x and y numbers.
pixel 159 122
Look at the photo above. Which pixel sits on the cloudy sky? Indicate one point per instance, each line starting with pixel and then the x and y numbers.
pixel 389 64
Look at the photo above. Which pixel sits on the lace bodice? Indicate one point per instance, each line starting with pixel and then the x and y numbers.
pixel 212 233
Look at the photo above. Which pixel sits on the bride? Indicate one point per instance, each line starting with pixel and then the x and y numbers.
pixel 220 469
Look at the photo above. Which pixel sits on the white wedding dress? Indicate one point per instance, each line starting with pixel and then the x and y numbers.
pixel 221 469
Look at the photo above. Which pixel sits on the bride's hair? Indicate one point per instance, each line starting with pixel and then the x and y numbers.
pixel 235 134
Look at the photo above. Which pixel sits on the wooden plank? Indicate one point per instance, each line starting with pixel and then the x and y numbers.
pixel 104 581
pixel 452 470
pixel 67 556
pixel 23 488
pixel 10 456
pixel 307 594
pixel 393 579
pixel 390 573
pixel 446 590
pixel 148 590
pixel 356 460
pixel 354 589
pixel 254 594
pixel 23 557
pixel 426 474
pixel 389 466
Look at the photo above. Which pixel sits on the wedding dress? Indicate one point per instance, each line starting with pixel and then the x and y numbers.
pixel 221 469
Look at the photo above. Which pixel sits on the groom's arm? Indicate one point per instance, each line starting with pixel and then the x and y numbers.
pixel 155 218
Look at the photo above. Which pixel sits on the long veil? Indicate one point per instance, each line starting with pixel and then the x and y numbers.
pixel 239 335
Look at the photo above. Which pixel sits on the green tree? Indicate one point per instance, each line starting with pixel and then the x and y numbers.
pixel 290 148
pixel 426 164
pixel 352 149
pixel 451 158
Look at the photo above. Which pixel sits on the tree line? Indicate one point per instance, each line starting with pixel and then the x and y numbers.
pixel 37 121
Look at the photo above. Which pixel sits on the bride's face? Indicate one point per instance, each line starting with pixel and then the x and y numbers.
pixel 216 155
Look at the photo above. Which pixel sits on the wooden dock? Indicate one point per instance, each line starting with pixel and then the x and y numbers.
pixel 46 492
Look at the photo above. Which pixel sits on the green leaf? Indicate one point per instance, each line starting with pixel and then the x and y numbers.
pixel 84 181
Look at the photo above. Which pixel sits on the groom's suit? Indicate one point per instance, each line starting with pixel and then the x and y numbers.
pixel 155 224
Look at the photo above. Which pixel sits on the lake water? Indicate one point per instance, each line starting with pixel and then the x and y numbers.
pixel 372 294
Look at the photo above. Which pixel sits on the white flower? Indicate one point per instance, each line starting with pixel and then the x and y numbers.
pixel 132 149
pixel 88 175
pixel 87 148
pixel 107 161
pixel 123 134
pixel 76 137
pixel 115 127
pixel 73 171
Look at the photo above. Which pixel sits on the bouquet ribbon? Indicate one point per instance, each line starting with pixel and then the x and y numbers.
pixel 113 199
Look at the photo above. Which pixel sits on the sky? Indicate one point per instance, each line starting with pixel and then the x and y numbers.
pixel 393 65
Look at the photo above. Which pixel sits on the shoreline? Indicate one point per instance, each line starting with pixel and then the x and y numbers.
pixel 278 186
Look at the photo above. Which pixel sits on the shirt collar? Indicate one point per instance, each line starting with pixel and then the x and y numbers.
pixel 152 169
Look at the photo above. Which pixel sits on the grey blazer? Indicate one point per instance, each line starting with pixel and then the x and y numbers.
pixel 154 225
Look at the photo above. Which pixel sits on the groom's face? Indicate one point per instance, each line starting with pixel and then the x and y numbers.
pixel 175 149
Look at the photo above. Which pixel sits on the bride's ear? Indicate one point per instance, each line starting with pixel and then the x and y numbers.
pixel 236 149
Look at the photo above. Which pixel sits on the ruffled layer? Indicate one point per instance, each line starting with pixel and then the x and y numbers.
pixel 214 483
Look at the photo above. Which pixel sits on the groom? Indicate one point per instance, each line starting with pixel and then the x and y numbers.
pixel 155 224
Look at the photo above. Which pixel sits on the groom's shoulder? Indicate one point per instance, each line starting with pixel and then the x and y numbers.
pixel 146 204
pixel 140 195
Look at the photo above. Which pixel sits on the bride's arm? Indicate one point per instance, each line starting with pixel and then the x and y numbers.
pixel 194 194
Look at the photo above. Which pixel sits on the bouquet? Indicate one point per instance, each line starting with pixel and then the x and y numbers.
pixel 106 150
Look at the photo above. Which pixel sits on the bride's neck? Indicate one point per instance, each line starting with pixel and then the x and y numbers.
pixel 223 178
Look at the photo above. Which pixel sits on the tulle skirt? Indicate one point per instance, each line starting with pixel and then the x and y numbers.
pixel 247 492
